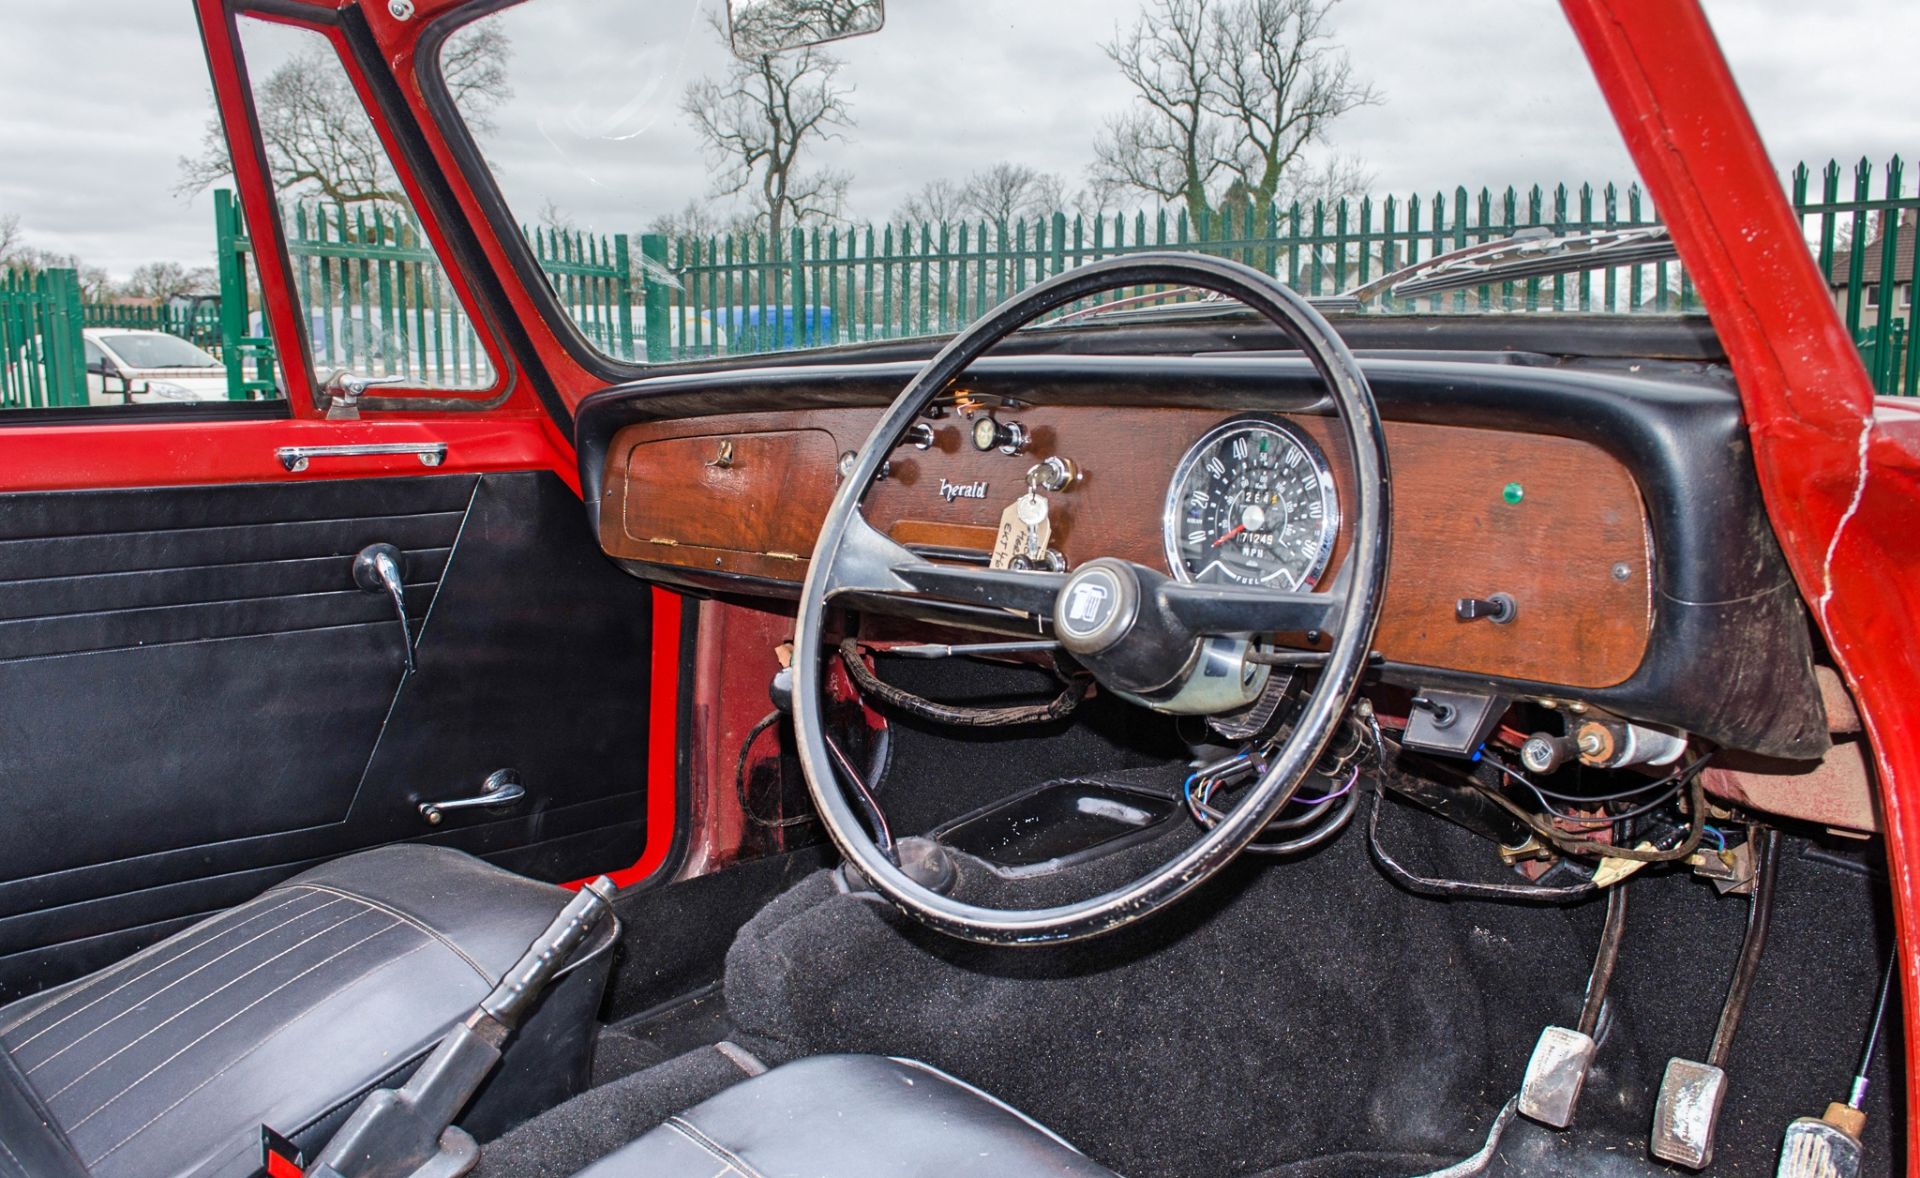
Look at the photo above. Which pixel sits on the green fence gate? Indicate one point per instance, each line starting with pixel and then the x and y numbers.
pixel 42 362
pixel 377 302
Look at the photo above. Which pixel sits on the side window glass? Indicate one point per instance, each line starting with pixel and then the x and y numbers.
pixel 95 241
pixel 374 299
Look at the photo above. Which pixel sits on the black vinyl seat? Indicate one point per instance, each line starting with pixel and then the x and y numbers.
pixel 285 1011
pixel 850 1116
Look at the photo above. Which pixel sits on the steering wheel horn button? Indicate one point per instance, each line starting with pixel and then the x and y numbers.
pixel 1097 607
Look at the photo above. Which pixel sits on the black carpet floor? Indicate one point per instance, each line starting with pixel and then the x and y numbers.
pixel 1306 1019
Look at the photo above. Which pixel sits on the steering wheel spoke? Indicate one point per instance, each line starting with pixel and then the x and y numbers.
pixel 867 562
pixel 1232 609
pixel 870 564
pixel 1026 592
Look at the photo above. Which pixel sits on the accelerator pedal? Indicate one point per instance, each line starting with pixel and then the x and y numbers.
pixel 1824 1147
pixel 1829 1146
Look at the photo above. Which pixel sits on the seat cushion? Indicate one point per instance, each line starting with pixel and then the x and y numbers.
pixel 282 1012
pixel 849 1116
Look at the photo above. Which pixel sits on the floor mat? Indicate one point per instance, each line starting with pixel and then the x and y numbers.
pixel 1291 1013
pixel 655 1036
pixel 674 937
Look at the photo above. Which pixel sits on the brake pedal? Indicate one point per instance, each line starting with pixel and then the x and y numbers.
pixel 1557 1070
pixel 1829 1146
pixel 1688 1110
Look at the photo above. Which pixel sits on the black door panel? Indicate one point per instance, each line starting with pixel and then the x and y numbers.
pixel 196 701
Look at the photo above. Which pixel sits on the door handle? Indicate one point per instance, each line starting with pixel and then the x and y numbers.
pixel 501 788
pixel 298 458
pixel 377 570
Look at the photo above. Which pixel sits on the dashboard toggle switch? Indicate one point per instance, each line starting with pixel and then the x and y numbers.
pixel 1498 609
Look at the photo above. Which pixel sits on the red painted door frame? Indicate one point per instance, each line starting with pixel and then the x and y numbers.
pixel 1841 481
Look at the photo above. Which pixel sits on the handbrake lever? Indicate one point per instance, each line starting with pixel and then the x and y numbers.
pixel 409 1132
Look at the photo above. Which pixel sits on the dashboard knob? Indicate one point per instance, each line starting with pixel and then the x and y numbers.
pixel 1008 437
pixel 851 458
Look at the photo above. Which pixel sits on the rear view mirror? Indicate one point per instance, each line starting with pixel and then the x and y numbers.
pixel 760 28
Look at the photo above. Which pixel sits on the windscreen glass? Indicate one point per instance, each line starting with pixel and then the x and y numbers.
pixel 685 201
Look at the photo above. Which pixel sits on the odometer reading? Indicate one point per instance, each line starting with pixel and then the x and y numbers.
pixel 1252 504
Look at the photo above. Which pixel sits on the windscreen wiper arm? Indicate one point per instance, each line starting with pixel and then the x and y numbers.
pixel 1530 253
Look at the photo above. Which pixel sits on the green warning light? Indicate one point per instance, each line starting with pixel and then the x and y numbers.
pixel 1513 493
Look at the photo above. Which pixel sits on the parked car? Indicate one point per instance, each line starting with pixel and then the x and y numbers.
pixel 128 366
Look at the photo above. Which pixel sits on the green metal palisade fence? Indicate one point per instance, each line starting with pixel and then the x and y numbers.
pixel 742 293
pixel 42 364
pixel 377 302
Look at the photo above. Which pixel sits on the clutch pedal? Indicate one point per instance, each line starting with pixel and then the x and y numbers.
pixel 1688 1109
pixel 1557 1071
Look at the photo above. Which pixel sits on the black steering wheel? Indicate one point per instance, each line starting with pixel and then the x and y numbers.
pixel 1132 627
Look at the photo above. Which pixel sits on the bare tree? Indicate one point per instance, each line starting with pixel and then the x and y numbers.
pixel 318 138
pixel 96 285
pixel 12 240
pixel 1225 88
pixel 698 219
pixel 1280 81
pixel 157 282
pixel 16 253
pixel 1007 192
pixel 1168 145
pixel 935 202
pixel 474 67
pixel 760 120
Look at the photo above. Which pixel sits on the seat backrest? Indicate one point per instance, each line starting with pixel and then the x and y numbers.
pixel 31 1144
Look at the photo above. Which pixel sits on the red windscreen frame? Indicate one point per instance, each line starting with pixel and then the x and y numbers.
pixel 1842 484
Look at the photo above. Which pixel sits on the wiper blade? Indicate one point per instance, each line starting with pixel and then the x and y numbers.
pixel 1184 302
pixel 1530 253
pixel 1179 300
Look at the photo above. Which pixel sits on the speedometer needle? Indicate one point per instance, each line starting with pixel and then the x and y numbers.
pixel 1237 529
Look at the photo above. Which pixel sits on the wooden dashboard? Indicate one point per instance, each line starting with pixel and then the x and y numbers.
pixel 1555 523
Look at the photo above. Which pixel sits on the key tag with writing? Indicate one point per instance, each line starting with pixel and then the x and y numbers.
pixel 1024 530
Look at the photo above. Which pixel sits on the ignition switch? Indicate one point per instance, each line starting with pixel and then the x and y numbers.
pixel 1054 475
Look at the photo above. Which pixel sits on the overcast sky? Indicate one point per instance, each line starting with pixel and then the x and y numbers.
pixel 95 111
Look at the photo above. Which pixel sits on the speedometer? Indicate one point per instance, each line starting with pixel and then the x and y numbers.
pixel 1252 503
